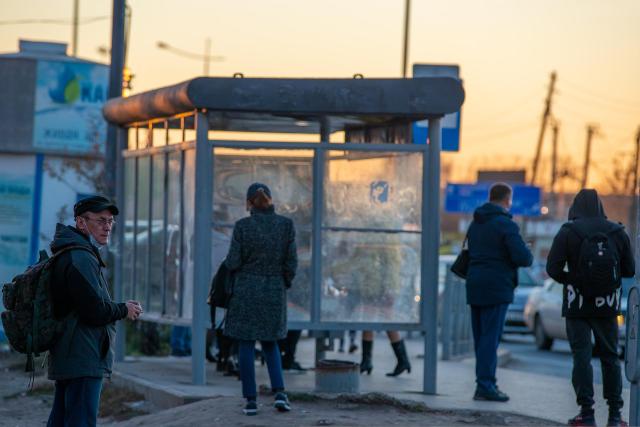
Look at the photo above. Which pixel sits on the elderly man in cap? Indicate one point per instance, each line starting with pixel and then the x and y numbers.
pixel 83 355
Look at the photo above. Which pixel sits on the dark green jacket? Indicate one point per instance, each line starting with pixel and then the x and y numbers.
pixel 81 297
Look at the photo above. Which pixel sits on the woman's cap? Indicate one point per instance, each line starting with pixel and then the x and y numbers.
pixel 255 187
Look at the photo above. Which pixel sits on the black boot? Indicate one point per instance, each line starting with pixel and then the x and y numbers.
pixel 366 365
pixel 403 360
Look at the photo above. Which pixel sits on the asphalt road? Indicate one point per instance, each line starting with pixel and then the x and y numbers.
pixel 556 362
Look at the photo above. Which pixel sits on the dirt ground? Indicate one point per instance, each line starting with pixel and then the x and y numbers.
pixel 367 410
pixel 20 407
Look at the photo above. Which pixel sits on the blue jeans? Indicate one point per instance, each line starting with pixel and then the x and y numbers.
pixel 180 341
pixel 246 356
pixel 76 403
pixel 487 323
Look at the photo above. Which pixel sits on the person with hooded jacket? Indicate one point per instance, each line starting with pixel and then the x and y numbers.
pixel 496 250
pixel 587 314
pixel 83 355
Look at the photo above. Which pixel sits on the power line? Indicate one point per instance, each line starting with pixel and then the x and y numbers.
pixel 504 132
pixel 611 105
pixel 89 20
pixel 600 95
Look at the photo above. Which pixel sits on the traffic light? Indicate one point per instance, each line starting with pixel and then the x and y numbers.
pixel 127 76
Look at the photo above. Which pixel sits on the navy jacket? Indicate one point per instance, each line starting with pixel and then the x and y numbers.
pixel 496 250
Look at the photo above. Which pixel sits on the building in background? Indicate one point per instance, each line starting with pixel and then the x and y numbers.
pixel 52 137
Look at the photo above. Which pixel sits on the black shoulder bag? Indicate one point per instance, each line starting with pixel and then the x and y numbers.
pixel 460 266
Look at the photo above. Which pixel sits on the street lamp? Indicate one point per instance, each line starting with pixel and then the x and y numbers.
pixel 207 58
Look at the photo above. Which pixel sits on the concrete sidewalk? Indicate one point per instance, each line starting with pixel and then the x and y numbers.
pixel 166 381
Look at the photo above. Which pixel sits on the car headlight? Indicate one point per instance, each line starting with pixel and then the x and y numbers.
pixel 620 320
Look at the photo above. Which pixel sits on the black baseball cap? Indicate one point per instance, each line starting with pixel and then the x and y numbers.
pixel 94 204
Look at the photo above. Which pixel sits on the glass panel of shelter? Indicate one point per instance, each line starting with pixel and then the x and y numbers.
pixel 288 173
pixel 371 237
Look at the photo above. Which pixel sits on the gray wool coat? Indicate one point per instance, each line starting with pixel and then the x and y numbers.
pixel 264 259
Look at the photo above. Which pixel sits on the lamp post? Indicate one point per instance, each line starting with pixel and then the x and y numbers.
pixel 206 58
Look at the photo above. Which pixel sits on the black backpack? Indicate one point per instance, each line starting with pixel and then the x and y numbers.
pixel 598 272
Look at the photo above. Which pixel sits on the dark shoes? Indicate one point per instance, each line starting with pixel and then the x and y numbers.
pixel 616 421
pixel 586 419
pixel 251 408
pixel 366 364
pixel 403 360
pixel 494 395
pixel 281 402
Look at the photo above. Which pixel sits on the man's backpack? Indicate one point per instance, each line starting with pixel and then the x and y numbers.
pixel 29 321
pixel 598 272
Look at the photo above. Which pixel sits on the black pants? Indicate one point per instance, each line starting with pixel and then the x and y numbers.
pixel 288 347
pixel 605 331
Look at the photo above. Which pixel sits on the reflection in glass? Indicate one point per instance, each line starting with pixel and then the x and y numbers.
pixel 189 224
pixel 370 277
pixel 373 190
pixel 288 173
pixel 127 247
pixel 157 241
pixel 142 238
pixel 172 255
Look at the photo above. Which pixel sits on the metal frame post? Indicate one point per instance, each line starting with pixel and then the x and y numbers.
pixel 118 291
pixel 319 166
pixel 429 254
pixel 202 246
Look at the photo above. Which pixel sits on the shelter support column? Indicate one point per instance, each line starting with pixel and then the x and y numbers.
pixel 429 253
pixel 118 291
pixel 202 246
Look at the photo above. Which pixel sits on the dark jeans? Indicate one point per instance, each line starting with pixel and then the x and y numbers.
pixel 288 346
pixel 246 356
pixel 181 341
pixel 605 331
pixel 487 323
pixel 76 403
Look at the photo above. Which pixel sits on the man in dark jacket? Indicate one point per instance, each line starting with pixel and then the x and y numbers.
pixel 83 355
pixel 496 250
pixel 590 313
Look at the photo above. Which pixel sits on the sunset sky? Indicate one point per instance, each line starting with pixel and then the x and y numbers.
pixel 506 50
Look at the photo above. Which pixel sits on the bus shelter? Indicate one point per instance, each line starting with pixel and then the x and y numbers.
pixel 338 156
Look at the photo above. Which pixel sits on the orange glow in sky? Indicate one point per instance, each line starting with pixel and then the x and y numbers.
pixel 506 50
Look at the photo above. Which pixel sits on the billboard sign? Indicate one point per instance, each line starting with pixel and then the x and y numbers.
pixel 68 106
pixel 450 122
pixel 465 198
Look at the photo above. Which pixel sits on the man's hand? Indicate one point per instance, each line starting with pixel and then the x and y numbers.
pixel 134 310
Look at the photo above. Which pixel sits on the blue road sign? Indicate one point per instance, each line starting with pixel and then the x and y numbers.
pixel 450 122
pixel 465 198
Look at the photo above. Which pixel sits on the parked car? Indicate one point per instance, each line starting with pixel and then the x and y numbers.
pixel 514 322
pixel 543 314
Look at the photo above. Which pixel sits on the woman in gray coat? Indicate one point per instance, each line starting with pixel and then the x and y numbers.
pixel 263 259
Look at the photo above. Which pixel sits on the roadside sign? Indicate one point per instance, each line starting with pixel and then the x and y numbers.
pixel 450 122
pixel 465 198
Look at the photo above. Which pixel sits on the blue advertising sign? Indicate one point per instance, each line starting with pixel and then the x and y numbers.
pixel 465 198
pixel 68 106
pixel 450 122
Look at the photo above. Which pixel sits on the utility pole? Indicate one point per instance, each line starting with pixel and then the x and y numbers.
pixel 592 130
pixel 207 55
pixel 115 90
pixel 545 118
pixel 405 53
pixel 74 33
pixel 554 163
pixel 633 214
